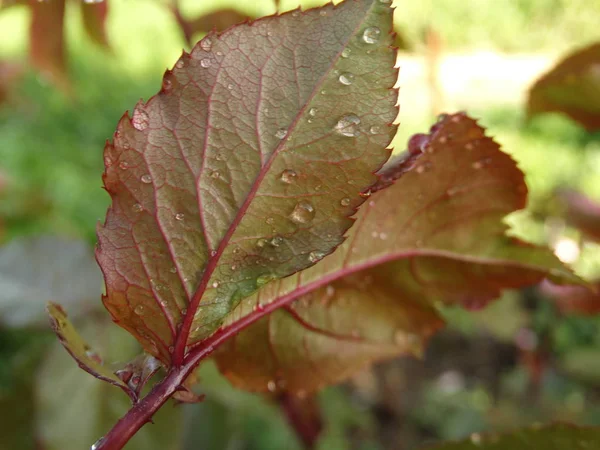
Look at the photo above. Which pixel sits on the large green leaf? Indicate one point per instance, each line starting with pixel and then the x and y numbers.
pixel 246 167
pixel 554 437
pixel 435 234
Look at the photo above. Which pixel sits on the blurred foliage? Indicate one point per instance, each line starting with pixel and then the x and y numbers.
pixel 519 362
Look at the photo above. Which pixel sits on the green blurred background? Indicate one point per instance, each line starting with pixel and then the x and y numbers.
pixel 518 362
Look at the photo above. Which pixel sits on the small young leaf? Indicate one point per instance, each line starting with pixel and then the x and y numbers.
pixel 246 167
pixel 69 399
pixel 572 87
pixel 93 15
pixel 553 437
pixel 30 277
pixel 434 234
pixel 87 359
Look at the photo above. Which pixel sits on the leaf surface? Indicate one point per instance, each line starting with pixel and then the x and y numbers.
pixel 553 437
pixel 435 234
pixel 34 271
pixel 246 167
pixel 80 350
pixel 572 88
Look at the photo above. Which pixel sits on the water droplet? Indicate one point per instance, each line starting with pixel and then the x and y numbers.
pixel 206 44
pixel 140 119
pixel 219 53
pixel 215 284
pixel 230 86
pixel 270 220
pixel 313 257
pixel 288 176
pixel 365 194
pixel 147 179
pixel 124 165
pixel 303 212
pixel 371 35
pixel 345 201
pixel 179 64
pixel 166 84
pixel 108 161
pixel 171 349
pixel 375 129
pixel 426 166
pixel 276 241
pixel 205 62
pixel 281 133
pixel 264 279
pixel 346 78
pixel 261 243
pixel 348 126
pixel 322 13
pixel 312 112
pixel 323 92
pixel 233 267
pixel 139 309
pixel 271 386
pixel 213 252
pixel 97 444
pixel 179 216
pixel 476 438
pixel 346 53
pixel 173 269
pixel 215 174
pixel 184 311
pixel 138 208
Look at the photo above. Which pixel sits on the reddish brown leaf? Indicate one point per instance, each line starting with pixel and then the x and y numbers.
pixel 582 212
pixel 46 40
pixel 94 16
pixel 572 88
pixel 245 168
pixel 431 232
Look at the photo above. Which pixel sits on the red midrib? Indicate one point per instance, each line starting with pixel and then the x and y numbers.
pixel 180 344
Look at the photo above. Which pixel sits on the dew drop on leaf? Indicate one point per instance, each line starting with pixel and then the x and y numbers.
pixel 261 243
pixel 371 35
pixel 206 44
pixel 179 216
pixel 215 284
pixel 375 129
pixel 138 208
pixel 173 269
pixel 348 126
pixel 345 201
pixel 108 161
pixel 147 179
pixel 124 165
pixel 346 53
pixel 313 257
pixel 264 279
pixel 276 241
pixel 426 166
pixel 288 176
pixel 139 309
pixel 312 112
pixel 215 174
pixel 179 64
pixel 281 133
pixel 140 119
pixel 270 220
pixel 205 62
pixel 303 212
pixel 346 78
